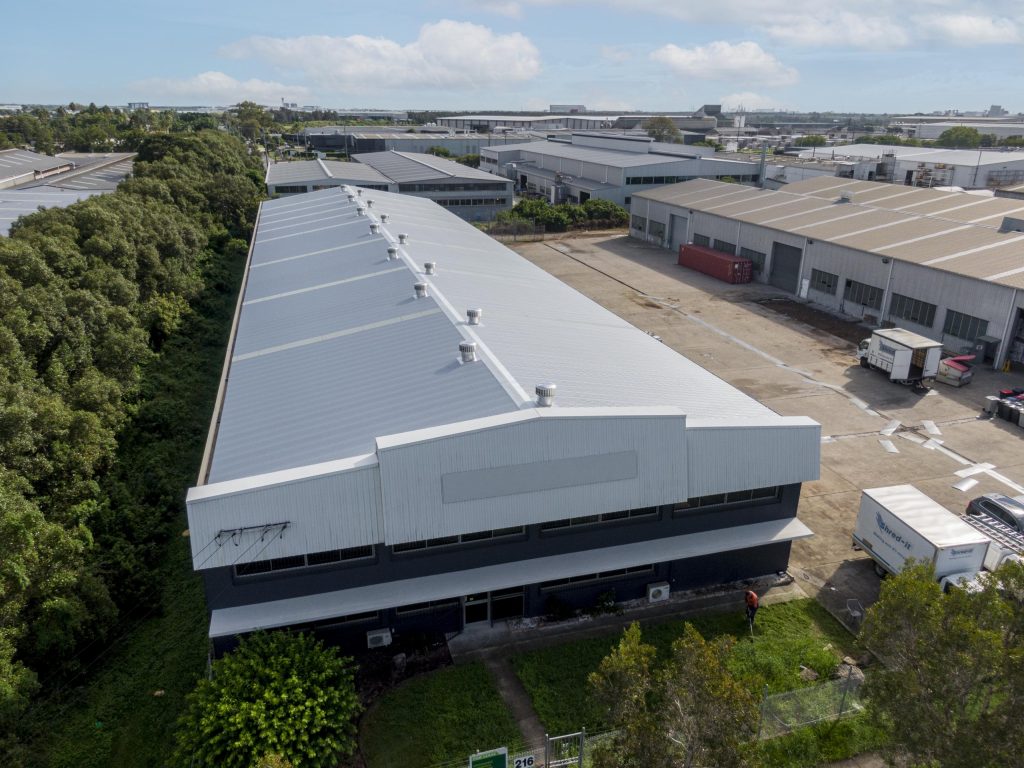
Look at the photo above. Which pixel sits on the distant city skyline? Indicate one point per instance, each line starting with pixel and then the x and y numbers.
pixel 891 56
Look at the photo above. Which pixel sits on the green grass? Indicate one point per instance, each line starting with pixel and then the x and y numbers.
pixel 116 720
pixel 824 743
pixel 787 635
pixel 440 717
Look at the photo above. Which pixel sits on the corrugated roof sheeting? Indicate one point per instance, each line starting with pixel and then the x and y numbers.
pixel 21 202
pixel 411 167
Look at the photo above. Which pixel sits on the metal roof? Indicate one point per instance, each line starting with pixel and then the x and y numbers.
pixel 21 202
pixel 971 157
pixel 609 157
pixel 953 231
pixel 411 167
pixel 332 349
pixel 19 162
pixel 311 171
pixel 101 171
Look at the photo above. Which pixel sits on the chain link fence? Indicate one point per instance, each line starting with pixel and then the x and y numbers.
pixel 783 713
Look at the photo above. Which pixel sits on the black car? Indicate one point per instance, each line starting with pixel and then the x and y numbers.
pixel 1003 508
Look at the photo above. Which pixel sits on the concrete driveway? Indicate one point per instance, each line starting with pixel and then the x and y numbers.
pixel 800 370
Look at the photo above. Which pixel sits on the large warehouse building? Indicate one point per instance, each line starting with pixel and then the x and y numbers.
pixel 417 429
pixel 469 193
pixel 605 166
pixel 948 265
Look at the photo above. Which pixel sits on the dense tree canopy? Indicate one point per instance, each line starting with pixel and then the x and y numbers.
pixel 952 685
pixel 279 695
pixel 662 129
pixel 88 296
pixel 811 140
pixel 959 137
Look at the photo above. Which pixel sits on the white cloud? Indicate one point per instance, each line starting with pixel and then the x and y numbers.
pixel 447 54
pixel 615 54
pixel 968 30
pixel 747 100
pixel 745 62
pixel 218 88
pixel 508 8
pixel 844 30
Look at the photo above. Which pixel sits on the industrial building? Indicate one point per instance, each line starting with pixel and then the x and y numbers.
pixel 419 430
pixel 353 139
pixel 701 121
pixel 1001 130
pixel 947 265
pixel 605 166
pixel 20 166
pixel 471 194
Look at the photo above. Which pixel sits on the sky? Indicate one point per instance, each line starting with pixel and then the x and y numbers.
pixel 896 56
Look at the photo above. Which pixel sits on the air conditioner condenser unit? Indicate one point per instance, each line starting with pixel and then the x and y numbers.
pixel 657 593
pixel 378 638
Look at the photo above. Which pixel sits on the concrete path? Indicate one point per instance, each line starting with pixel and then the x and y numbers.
pixel 516 698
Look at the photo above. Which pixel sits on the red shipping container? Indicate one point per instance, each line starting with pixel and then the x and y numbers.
pixel 724 266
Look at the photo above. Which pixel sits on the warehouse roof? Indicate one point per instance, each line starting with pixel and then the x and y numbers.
pixel 971 157
pixel 610 157
pixel 332 348
pixel 15 163
pixel 409 167
pixel 21 202
pixel 101 171
pixel 953 231
pixel 311 171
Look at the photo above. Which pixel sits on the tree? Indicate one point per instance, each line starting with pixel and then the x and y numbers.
pixel 959 136
pixel 690 712
pixel 812 140
pixel 953 683
pixel 439 151
pixel 605 210
pixel 663 129
pixel 472 160
pixel 276 694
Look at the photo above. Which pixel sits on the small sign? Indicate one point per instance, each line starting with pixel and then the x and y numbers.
pixel 496 758
pixel 524 761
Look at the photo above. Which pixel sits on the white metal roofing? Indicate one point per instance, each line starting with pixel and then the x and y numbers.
pixel 18 162
pixel 907 338
pixel 332 349
pixel 406 167
pixel 926 516
pixel 311 171
pixel 952 231
pixel 971 157
pixel 609 157
pixel 381 596
pixel 20 202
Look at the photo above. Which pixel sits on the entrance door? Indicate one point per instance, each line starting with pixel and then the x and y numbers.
pixel 679 226
pixel 476 608
pixel 785 269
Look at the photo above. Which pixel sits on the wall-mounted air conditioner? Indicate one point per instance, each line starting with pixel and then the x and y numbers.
pixel 378 638
pixel 657 593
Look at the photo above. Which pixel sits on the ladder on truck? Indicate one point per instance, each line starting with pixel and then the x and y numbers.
pixel 998 531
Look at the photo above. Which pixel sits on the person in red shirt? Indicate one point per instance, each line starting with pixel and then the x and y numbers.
pixel 752 605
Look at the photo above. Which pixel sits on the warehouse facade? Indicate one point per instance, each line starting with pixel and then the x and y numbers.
pixel 947 265
pixel 605 167
pixel 418 430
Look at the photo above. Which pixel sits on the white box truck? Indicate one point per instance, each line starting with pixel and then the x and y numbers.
pixel 899 522
pixel 907 357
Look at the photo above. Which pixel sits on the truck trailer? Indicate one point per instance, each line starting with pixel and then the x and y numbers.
pixel 907 357
pixel 899 523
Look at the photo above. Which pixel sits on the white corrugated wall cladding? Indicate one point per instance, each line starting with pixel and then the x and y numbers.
pixel 331 511
pixel 412 475
pixel 736 458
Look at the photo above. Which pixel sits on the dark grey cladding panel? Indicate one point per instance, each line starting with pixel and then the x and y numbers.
pixel 538 476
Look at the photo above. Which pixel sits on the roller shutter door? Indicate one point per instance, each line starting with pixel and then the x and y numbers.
pixel 785 268
pixel 679 226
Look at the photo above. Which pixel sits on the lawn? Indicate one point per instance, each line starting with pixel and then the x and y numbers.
pixel 823 743
pixel 436 718
pixel 787 635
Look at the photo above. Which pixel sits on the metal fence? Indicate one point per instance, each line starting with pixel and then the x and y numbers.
pixel 783 713
pixel 515 231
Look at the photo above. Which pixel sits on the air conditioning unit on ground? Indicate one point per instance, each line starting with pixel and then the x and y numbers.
pixel 378 638
pixel 657 593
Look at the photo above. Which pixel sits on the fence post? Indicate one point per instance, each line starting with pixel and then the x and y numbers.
pixel 547 750
pixel 760 720
pixel 583 746
pixel 846 687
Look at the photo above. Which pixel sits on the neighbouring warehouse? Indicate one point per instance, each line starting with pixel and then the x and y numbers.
pixel 417 430
pixel 947 265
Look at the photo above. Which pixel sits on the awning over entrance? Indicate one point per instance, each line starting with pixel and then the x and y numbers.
pixel 225 622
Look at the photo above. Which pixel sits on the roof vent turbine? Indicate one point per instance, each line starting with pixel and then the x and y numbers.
pixel 545 395
pixel 473 316
pixel 468 351
pixel 374 228
pixel 429 267
pixel 402 238
pixel 383 218
pixel 360 211
pixel 392 253
pixel 421 290
pixel 359 192
pixel 369 203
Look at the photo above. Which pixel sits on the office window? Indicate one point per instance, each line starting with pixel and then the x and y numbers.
pixel 914 310
pixel 427 607
pixel 756 258
pixel 285 189
pixel 309 560
pixel 656 230
pixel 607 517
pixel 964 326
pixel 639 223
pixel 701 240
pixel 725 246
pixel 825 282
pixel 448 541
pixel 862 293
pixel 637 570
pixel 728 500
